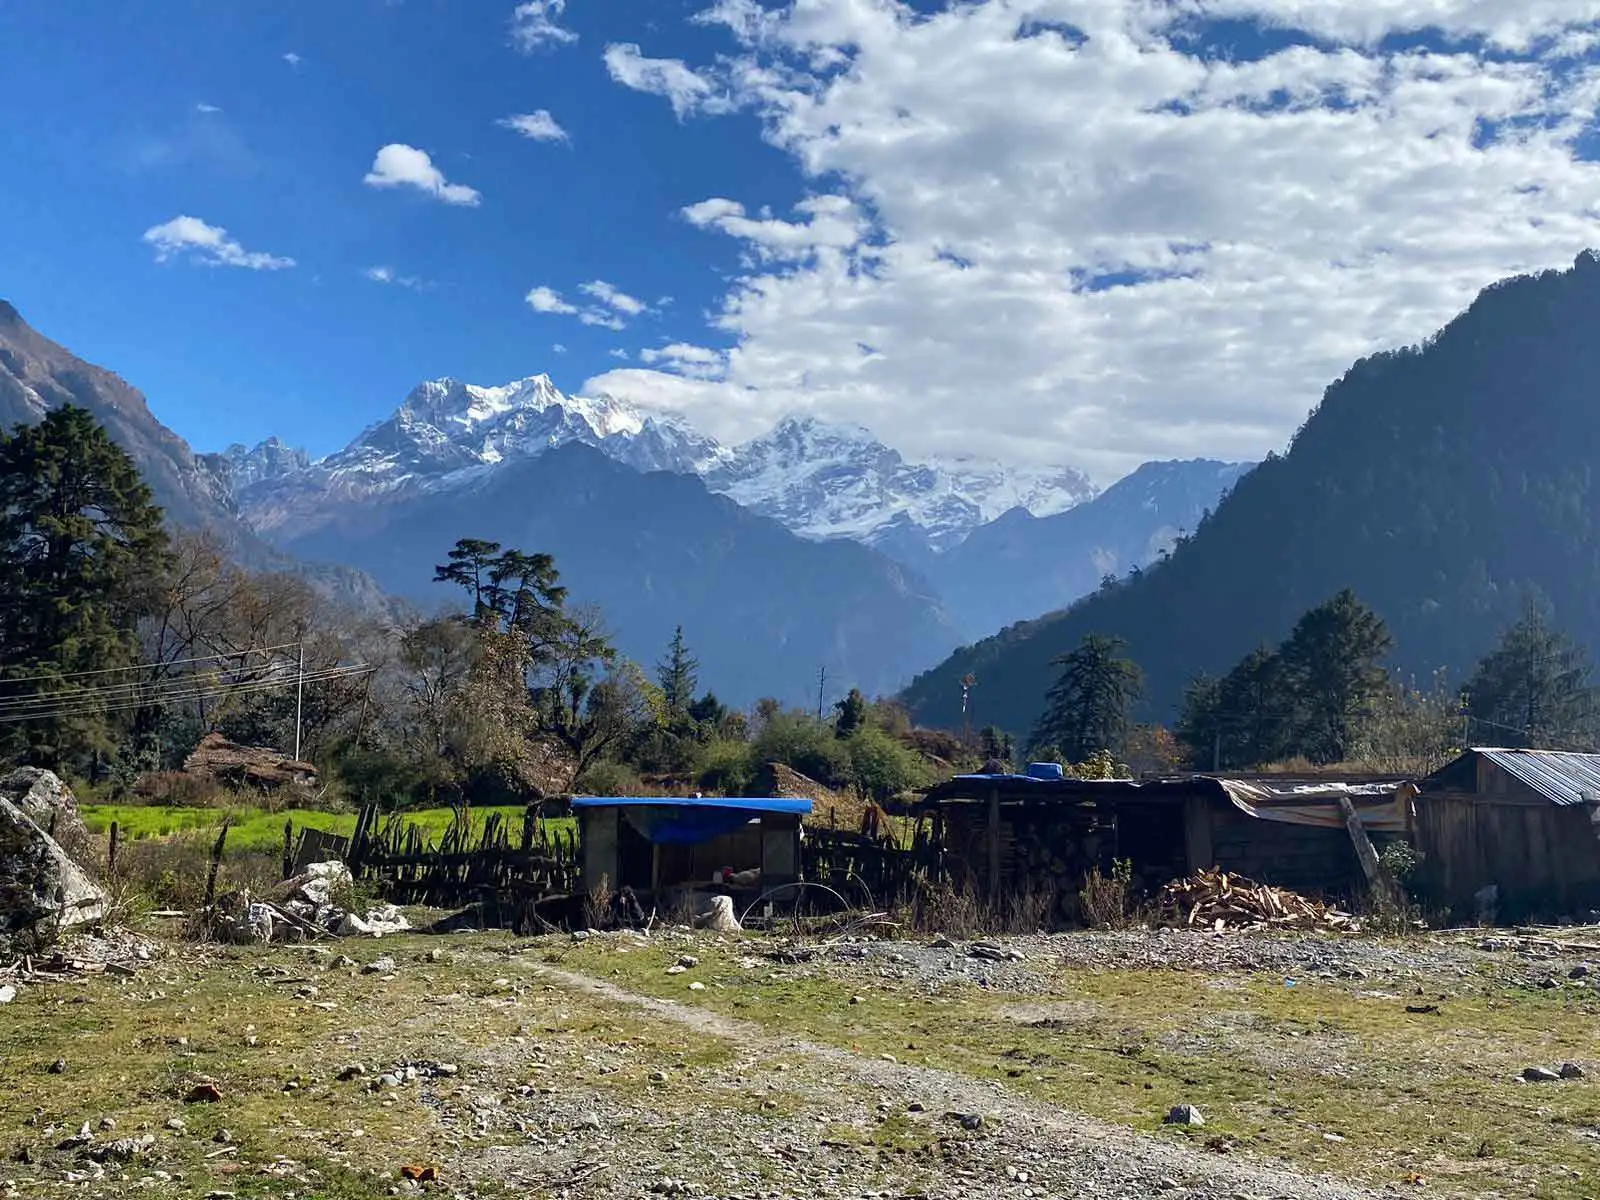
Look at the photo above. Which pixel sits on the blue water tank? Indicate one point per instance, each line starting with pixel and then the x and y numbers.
pixel 1046 771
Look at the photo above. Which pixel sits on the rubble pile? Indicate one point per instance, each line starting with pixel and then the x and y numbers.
pixel 314 904
pixel 1221 901
pixel 43 892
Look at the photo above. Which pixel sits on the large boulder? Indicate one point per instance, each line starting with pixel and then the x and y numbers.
pixel 42 891
pixel 50 802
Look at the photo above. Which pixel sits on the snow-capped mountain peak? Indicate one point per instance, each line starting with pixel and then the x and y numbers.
pixel 823 479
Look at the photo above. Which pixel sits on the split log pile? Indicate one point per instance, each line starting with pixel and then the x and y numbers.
pixel 1221 901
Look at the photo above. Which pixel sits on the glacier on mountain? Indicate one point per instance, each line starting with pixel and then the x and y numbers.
pixel 822 480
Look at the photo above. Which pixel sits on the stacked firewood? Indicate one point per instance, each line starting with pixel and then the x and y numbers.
pixel 1221 901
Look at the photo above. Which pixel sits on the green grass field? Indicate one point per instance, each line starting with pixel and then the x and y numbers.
pixel 253 829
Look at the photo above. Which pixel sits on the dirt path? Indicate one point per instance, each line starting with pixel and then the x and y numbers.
pixel 1022 1148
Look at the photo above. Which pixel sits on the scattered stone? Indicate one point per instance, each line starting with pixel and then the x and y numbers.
pixel 1184 1114
pixel 223 1137
pixel 993 952
pixel 380 966
pixel 1167 1184
pixel 436 955
pixel 124 1149
pixel 1570 1070
pixel 176 1124
pixel 78 1140
pixel 59 1067
pixel 697 986
pixel 1549 982
pixel 351 1071
pixel 388 1080
pixel 942 943
pixel 688 961
pixel 7 994
pixel 204 1093
pixel 587 1121
pixel 1540 1075
pixel 916 1106
pixel 658 1076
pixel 580 935
pixel 676 969
pixel 857 1000
pixel 1581 971
pixel 971 1122
pixel 108 1123
pixel 446 1070
pixel 344 962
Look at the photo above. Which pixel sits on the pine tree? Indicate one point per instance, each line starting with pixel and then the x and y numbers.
pixel 677 674
pixel 1533 689
pixel 1088 711
pixel 851 714
pixel 81 554
pixel 1332 667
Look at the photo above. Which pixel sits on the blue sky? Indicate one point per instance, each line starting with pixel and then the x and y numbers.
pixel 110 141
pixel 1066 231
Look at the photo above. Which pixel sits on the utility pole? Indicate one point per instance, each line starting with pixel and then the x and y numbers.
pixel 966 707
pixel 822 682
pixel 299 697
pixel 1216 750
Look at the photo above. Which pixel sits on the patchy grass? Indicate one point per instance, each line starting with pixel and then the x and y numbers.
pixel 1329 1075
pixel 133 1049
pixel 258 830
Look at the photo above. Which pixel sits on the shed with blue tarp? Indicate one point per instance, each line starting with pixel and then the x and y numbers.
pixel 661 844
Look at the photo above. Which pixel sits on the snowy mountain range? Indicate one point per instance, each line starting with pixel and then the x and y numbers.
pixel 821 480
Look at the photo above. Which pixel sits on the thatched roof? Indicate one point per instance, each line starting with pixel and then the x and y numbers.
pixel 258 766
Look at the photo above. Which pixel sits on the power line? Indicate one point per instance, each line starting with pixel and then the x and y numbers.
pixel 125 691
pixel 75 706
pixel 145 666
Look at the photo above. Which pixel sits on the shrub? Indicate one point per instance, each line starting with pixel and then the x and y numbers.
pixel 801 742
pixel 1107 901
pixel 609 779
pixel 883 766
pixel 727 767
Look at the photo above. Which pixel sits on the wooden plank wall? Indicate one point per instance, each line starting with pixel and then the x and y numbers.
pixel 1544 858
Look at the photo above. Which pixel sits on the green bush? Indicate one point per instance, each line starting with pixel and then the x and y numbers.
pixel 609 779
pixel 801 742
pixel 882 765
pixel 728 767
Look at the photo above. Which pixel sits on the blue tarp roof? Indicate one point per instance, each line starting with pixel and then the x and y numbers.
pixel 748 804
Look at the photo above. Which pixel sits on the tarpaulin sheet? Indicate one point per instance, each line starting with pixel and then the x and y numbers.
pixel 682 825
pixel 1383 808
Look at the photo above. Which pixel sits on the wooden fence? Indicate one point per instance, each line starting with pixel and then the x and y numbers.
pixel 505 865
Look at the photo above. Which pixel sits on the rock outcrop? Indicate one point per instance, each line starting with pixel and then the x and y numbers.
pixel 42 891
pixel 50 802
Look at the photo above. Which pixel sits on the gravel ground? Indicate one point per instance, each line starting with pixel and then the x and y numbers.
pixel 814 1134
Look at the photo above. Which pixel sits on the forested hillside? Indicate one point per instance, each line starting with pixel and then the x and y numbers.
pixel 1445 483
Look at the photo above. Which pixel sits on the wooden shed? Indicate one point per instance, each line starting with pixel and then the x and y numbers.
pixel 1524 823
pixel 1011 833
pixel 663 845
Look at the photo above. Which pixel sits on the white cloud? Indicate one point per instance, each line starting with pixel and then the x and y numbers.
pixel 293 59
pixel 558 348
pixel 612 309
pixel 1113 242
pixel 546 300
pixel 688 91
pixel 682 358
pixel 832 222
pixel 608 295
pixel 209 245
pixel 533 25
pixel 207 109
pixel 399 165
pixel 538 126
pixel 618 352
pixel 389 277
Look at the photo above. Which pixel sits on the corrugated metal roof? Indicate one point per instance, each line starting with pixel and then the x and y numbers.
pixel 1560 776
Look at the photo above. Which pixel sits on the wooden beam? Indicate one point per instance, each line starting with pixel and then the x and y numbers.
pixel 994 844
pixel 1365 854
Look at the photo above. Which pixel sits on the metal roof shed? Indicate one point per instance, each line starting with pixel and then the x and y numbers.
pixel 1526 822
